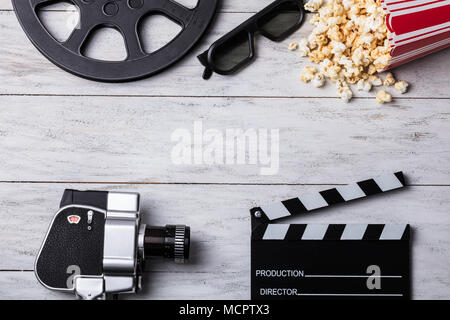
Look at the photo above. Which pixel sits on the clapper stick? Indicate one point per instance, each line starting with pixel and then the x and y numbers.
pixel 314 201
pixel 330 261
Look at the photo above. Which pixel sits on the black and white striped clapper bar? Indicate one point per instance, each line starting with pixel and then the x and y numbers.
pixel 335 261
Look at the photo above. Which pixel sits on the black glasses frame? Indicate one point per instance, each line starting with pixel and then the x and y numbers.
pixel 251 27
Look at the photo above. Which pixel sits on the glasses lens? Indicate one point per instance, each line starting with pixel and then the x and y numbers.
pixel 232 52
pixel 280 20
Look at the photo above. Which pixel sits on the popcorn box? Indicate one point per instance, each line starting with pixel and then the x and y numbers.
pixel 417 28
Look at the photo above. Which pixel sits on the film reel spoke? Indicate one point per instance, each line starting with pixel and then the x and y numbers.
pixel 132 41
pixel 78 37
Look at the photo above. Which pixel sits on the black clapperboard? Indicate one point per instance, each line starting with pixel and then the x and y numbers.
pixel 336 261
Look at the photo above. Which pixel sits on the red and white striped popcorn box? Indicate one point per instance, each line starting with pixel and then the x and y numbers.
pixel 417 28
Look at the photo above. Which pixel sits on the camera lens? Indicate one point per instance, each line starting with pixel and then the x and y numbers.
pixel 171 241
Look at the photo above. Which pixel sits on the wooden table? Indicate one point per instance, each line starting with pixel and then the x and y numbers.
pixel 58 131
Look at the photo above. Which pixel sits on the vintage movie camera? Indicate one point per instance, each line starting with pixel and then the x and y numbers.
pixel 97 245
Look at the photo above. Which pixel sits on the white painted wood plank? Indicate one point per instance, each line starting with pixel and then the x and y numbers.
pixel 24 286
pixel 158 286
pixel 28 72
pixel 219 218
pixel 89 139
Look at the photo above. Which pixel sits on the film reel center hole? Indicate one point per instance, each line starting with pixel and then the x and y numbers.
pixel 59 18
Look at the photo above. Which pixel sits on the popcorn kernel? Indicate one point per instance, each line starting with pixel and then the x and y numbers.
pixel 402 86
pixel 383 97
pixel 293 46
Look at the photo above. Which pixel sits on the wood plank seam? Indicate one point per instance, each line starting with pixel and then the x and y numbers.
pixel 202 183
pixel 211 96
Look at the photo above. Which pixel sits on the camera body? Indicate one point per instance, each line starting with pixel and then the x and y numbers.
pixel 97 245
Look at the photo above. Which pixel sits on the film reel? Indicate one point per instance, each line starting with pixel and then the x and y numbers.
pixel 124 16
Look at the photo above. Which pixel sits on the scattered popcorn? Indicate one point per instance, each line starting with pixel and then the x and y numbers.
pixel 350 43
pixel 308 73
pixel 303 48
pixel 318 81
pixel 364 85
pixel 344 91
pixel 313 5
pixel 383 96
pixel 375 81
pixel 310 69
pixel 293 46
pixel 389 80
pixel 402 86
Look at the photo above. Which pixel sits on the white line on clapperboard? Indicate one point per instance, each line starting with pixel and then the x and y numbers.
pixel 349 294
pixel 352 294
pixel 347 276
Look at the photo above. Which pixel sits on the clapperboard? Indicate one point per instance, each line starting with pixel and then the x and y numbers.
pixel 336 261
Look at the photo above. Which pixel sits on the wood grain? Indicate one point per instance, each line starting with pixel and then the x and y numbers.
pixel 57 130
pixel 28 72
pixel 105 139
pixel 160 286
pixel 219 218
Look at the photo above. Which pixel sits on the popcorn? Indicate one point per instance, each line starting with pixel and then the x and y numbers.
pixel 359 57
pixel 334 21
pixel 338 48
pixel 350 43
pixel 313 5
pixel 344 91
pixel 375 81
pixel 320 28
pixel 348 4
pixel 364 85
pixel 382 62
pixel 371 69
pixel 383 96
pixel 318 81
pixel 316 56
pixel 310 69
pixel 303 47
pixel 325 65
pixel 345 62
pixel 312 41
pixel 308 73
pixel 334 73
pixel 402 86
pixel 334 33
pixel 315 19
pixel 366 41
pixel 330 70
pixel 389 80
pixel 293 46
pixel 326 51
